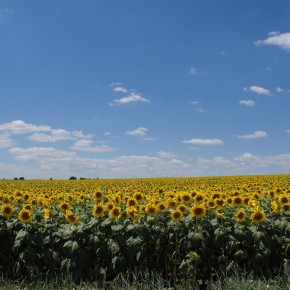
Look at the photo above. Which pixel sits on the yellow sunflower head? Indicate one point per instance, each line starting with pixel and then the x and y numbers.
pixel 274 207
pixel 220 212
pixel 199 197
pixel 151 209
pixel 98 195
pixel 161 207
pixel 241 215
pixel 7 210
pixel 182 208
pixel 47 213
pixel 109 205
pixel 64 206
pixel 258 216
pixel 186 197
pixel 138 196
pixel 176 215
pixel 132 213
pixel 115 212
pixel 99 210
pixel 211 203
pixel 172 202
pixel 131 202
pixel 25 216
pixel 286 207
pixel 198 211
pixel 28 207
pixel 237 201
pixel 219 202
pixel 283 198
pixel 71 217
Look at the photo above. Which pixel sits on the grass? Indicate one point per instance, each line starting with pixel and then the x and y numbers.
pixel 151 281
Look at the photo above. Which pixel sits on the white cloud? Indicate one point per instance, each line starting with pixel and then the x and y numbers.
pixel 256 134
pixel 216 161
pixel 259 90
pixel 132 98
pixel 86 145
pixel 288 131
pixel 193 71
pixel 48 162
pixel 140 131
pixel 281 161
pixel 248 103
pixel 203 141
pixel 281 40
pixel 5 141
pixel 120 89
pixel 40 133
pixel 167 154
pixel 59 163
pixel 198 107
pixel 20 127
pixel 279 90
pixel 41 154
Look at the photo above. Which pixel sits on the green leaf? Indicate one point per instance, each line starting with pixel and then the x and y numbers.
pixel 134 241
pixel 138 256
pixel 21 235
pixel 117 228
pixel 259 235
pixel 113 246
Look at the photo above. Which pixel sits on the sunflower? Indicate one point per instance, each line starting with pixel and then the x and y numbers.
pixel 132 213
pixel 275 207
pixel 186 197
pixel 28 207
pixel 64 206
pixel 81 198
pixel 229 200
pixel 172 202
pixel 237 201
pixel 182 208
pixel 198 211
pixel 220 212
pixel 7 210
pixel 98 194
pixel 216 195
pixel 142 208
pixel 32 201
pixel 211 203
pixel 246 200
pixel 161 207
pixel 71 217
pixel 47 213
pixel 131 202
pixel 18 200
pixel 219 202
pixel 241 215
pixel 151 209
pixel 283 198
pixel 271 193
pixel 199 197
pixel 138 196
pixel 286 207
pixel 176 215
pixel 99 210
pixel 115 212
pixel 25 216
pixel 258 216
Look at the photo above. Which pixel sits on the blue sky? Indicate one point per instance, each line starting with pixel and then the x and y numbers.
pixel 130 88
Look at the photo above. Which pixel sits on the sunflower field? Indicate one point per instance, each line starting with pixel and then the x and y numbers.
pixel 97 229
